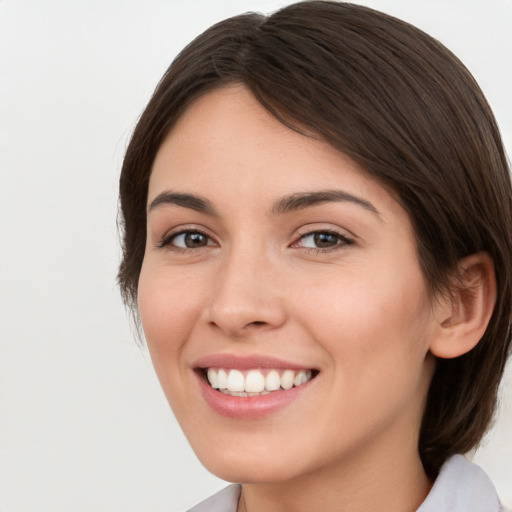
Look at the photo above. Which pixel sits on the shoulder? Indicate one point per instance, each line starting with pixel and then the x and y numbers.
pixel 225 500
pixel 462 486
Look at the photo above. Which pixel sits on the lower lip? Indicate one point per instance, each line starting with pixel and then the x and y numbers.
pixel 249 408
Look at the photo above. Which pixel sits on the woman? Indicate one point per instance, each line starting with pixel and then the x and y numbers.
pixel 317 218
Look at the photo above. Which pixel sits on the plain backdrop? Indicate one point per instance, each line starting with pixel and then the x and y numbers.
pixel 83 423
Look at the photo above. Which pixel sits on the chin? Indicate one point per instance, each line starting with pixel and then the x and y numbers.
pixel 249 467
pixel 250 471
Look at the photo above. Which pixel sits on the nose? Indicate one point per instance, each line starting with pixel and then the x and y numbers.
pixel 245 298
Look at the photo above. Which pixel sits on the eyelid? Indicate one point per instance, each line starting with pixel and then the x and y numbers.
pixel 166 240
pixel 345 237
pixel 316 227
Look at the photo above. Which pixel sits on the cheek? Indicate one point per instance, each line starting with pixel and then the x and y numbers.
pixel 374 320
pixel 169 308
pixel 376 333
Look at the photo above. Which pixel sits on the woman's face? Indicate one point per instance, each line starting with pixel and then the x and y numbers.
pixel 273 260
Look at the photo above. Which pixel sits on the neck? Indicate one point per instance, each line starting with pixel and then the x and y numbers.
pixel 389 484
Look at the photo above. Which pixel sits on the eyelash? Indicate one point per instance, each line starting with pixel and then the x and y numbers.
pixel 167 241
pixel 343 240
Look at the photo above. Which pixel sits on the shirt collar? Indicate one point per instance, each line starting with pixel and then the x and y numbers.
pixel 462 486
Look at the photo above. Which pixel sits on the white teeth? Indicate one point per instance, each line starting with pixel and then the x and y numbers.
pixel 213 379
pixel 272 380
pixel 254 382
pixel 236 381
pixel 287 379
pixel 222 379
pixel 242 393
pixel 297 381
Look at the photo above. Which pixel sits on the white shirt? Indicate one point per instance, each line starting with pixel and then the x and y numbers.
pixel 460 487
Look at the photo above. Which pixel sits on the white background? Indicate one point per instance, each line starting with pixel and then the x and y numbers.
pixel 83 423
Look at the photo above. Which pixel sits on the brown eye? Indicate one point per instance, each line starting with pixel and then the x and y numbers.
pixel 323 240
pixel 193 240
pixel 188 240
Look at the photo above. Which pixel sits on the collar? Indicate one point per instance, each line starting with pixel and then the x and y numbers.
pixel 462 486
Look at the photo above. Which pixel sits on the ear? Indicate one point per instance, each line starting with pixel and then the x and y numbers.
pixel 462 316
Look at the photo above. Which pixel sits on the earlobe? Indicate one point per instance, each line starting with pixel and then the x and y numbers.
pixel 464 314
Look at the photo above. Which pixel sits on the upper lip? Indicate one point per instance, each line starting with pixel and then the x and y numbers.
pixel 246 362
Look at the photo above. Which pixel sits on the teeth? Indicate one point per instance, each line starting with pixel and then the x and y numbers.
pixel 222 379
pixel 236 381
pixel 255 382
pixel 287 379
pixel 213 378
pixel 272 380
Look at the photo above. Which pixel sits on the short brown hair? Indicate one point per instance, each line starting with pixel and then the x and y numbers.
pixel 406 109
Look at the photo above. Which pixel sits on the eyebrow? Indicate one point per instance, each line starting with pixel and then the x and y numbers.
pixel 197 203
pixel 292 202
pixel 302 200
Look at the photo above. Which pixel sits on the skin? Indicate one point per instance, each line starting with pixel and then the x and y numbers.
pixel 358 312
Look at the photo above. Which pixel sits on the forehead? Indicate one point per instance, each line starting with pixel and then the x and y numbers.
pixel 228 146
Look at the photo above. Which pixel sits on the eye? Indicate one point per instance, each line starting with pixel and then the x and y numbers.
pixel 186 240
pixel 322 240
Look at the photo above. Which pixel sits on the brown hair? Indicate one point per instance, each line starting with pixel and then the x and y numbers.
pixel 406 109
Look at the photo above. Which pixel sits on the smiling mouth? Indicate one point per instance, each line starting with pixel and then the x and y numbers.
pixel 255 382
